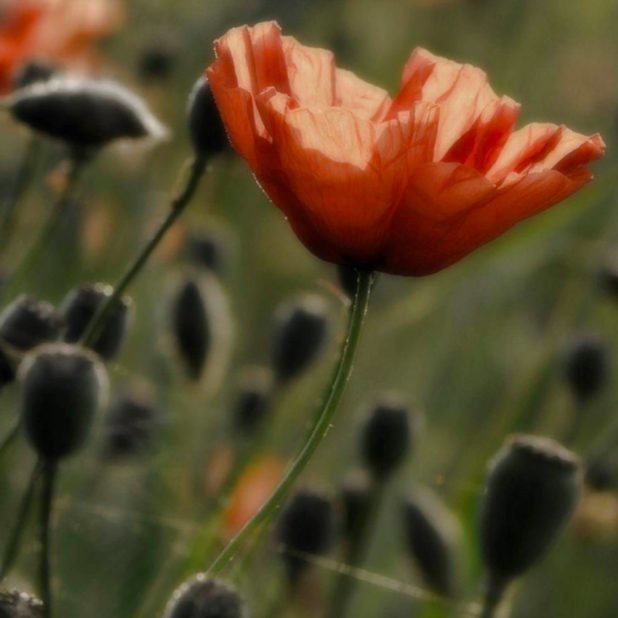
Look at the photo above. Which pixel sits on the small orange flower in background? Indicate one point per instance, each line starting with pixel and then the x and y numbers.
pixel 253 489
pixel 407 185
pixel 60 31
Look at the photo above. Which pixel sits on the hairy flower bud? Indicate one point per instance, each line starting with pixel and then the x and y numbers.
pixel 130 423
pixel 356 494
pixel 206 128
pixel 208 250
pixel 205 597
pixel 16 604
pixel 307 525
pixel 24 324
pixel 386 437
pixel 33 72
pixel 431 534
pixel 191 328
pixel 586 367
pixel 532 488
pixel 81 305
pixel 252 400
pixel 84 113
pixel 299 336
pixel 61 388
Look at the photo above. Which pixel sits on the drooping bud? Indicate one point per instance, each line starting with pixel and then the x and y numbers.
pixel 307 525
pixel 432 536
pixel 586 367
pixel 61 389
pixel 191 328
pixel 386 437
pixel 531 491
pixel 206 128
pixel 205 597
pixel 131 423
pixel 81 305
pixel 84 113
pixel 299 336
pixel 356 494
pixel 24 324
pixel 33 72
pixel 16 604
pixel 253 400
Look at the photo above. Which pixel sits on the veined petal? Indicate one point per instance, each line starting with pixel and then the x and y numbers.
pixel 364 99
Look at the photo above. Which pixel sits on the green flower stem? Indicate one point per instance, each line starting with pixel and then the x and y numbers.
pixel 178 205
pixel 13 546
pixel 356 554
pixel 47 231
pixel 9 439
pixel 25 174
pixel 318 431
pixel 47 499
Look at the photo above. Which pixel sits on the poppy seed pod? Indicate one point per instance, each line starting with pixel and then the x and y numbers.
pixel 16 604
pixel 204 597
pixel 299 336
pixel 206 128
pixel 191 328
pixel 307 525
pixel 31 73
pixel 386 438
pixel 84 113
pixel 81 305
pixel 131 423
pixel 252 401
pixel 356 494
pixel 531 490
pixel 586 367
pixel 432 536
pixel 61 387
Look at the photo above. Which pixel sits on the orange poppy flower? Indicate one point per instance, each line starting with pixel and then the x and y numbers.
pixel 62 31
pixel 407 185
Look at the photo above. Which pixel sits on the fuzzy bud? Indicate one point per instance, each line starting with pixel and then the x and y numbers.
pixel 16 604
pixel 299 336
pixel 356 496
pixel 131 423
pixel 191 328
pixel 586 367
pixel 204 597
pixel 432 536
pixel 208 250
pixel 206 128
pixel 386 438
pixel 531 491
pixel 84 113
pixel 253 401
pixel 307 525
pixel 81 305
pixel 61 388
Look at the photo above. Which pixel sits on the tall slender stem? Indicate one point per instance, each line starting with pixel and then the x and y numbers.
pixel 45 571
pixel 178 205
pixel 25 173
pixel 14 543
pixel 320 427
pixel 357 552
pixel 46 232
pixel 9 438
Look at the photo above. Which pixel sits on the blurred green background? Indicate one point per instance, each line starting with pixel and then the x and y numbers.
pixel 477 348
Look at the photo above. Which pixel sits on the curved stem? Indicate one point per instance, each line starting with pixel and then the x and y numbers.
pixel 13 546
pixel 320 427
pixel 27 169
pixel 46 232
pixel 47 499
pixel 178 205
